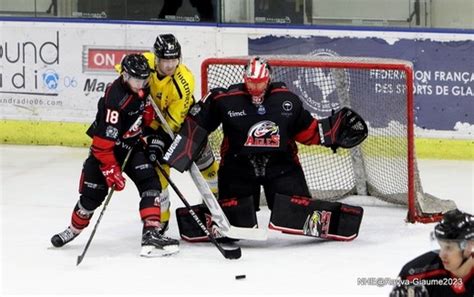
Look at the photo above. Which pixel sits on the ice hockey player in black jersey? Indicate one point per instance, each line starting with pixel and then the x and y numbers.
pixel 448 271
pixel 116 130
pixel 262 121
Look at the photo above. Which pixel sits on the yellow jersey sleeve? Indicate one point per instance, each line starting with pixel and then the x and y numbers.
pixel 172 94
pixel 178 107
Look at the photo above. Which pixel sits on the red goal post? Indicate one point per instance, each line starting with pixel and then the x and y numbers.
pixel 381 91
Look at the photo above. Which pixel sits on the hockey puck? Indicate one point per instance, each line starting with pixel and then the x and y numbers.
pixel 240 276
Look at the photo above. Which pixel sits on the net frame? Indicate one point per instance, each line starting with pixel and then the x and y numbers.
pixel 417 200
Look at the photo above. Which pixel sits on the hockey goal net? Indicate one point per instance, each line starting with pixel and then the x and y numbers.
pixel 381 91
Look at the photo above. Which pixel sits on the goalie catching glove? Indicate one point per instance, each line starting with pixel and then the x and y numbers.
pixel 345 128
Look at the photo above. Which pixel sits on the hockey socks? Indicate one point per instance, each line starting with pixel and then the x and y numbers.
pixel 80 219
pixel 318 218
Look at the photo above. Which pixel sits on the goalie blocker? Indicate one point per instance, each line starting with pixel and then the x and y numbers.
pixel 292 215
pixel 186 146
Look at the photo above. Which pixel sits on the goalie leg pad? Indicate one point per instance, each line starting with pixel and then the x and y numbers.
pixel 317 218
pixel 240 213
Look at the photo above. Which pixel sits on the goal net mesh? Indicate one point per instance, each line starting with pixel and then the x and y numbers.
pixel 380 90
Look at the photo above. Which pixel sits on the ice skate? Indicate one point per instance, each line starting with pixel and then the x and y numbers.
pixel 155 244
pixel 60 239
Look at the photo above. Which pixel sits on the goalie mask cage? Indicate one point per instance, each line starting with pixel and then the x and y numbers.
pixel 381 91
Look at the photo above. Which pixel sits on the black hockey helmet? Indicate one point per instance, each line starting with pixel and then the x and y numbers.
pixel 455 225
pixel 167 47
pixel 136 65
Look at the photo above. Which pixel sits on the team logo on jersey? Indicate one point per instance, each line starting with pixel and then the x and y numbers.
pixel 195 109
pixel 135 130
pixel 263 134
pixel 317 224
pixel 287 106
pixel 111 132
pixel 261 110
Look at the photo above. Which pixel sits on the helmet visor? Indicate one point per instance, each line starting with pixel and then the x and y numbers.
pixel 134 82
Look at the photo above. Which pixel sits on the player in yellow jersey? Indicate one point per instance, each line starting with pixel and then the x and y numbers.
pixel 172 87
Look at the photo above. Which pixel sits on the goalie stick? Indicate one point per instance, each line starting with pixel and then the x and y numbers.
pixel 217 213
pixel 235 253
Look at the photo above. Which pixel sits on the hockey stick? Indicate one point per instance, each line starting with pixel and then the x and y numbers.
pixel 109 196
pixel 228 254
pixel 133 128
pixel 209 199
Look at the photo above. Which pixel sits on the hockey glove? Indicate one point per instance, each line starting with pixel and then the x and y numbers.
pixel 113 176
pixel 344 128
pixel 157 144
pixel 409 290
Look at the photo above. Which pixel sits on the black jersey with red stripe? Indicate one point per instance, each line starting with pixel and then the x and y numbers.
pixel 428 269
pixel 117 111
pixel 272 127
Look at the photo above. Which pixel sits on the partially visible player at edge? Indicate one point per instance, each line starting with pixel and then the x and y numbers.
pixel 262 120
pixel 172 88
pixel 116 130
pixel 448 271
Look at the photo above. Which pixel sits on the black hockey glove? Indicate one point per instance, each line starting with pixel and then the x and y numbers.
pixel 157 144
pixel 345 128
pixel 409 290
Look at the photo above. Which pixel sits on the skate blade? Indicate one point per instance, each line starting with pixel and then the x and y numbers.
pixel 151 251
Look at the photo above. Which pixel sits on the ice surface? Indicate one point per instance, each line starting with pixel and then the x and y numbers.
pixel 39 188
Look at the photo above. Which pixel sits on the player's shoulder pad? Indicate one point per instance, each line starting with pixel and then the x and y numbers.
pixel 184 79
pixel 115 95
pixel 205 102
pixel 218 93
pixel 426 262
pixel 213 93
pixel 278 85
pixel 236 88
